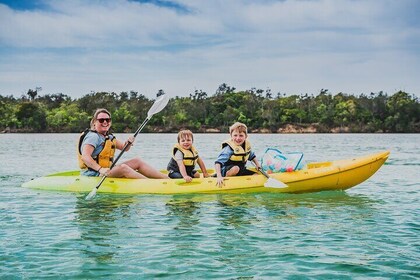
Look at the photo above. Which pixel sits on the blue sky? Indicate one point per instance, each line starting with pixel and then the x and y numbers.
pixel 293 47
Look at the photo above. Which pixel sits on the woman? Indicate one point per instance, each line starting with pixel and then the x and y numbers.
pixel 96 151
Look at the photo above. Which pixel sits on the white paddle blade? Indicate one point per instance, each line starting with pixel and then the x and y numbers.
pixel 91 194
pixel 273 183
pixel 158 106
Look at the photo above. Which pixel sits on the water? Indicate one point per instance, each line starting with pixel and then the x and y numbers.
pixel 370 231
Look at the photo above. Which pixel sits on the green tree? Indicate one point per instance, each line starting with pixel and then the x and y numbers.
pixel 52 101
pixel 32 116
pixel 345 112
pixel 94 100
pixel 32 94
pixel 67 118
pixel 255 107
pixel 403 112
pixel 123 119
pixel 8 109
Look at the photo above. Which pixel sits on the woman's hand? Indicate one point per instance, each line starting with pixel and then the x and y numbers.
pixel 130 139
pixel 103 171
pixel 128 143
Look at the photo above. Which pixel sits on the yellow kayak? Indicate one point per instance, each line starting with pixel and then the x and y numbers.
pixel 316 176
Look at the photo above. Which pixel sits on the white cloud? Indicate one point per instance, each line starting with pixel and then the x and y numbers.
pixel 290 46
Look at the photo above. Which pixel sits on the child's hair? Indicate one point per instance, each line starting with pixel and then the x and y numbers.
pixel 184 134
pixel 239 127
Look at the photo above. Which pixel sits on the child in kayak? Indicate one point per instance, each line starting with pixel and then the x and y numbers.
pixel 184 158
pixel 235 153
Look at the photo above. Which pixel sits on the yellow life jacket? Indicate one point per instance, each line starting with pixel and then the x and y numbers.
pixel 240 153
pixel 105 157
pixel 190 155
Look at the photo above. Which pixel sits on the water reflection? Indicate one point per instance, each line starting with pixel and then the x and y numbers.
pixel 228 229
pixel 237 214
pixel 234 210
pixel 185 236
pixel 99 221
pixel 185 210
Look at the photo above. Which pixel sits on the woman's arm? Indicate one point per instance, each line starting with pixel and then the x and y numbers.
pixel 120 144
pixel 87 158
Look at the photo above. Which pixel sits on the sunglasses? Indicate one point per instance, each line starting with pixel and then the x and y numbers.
pixel 102 120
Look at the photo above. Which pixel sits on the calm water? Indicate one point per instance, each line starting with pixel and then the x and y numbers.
pixel 370 231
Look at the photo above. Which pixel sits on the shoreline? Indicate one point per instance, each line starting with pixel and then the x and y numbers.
pixel 285 129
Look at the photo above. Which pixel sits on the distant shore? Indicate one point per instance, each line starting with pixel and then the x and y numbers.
pixel 288 129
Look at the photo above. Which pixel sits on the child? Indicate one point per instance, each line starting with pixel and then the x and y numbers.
pixel 234 155
pixel 184 158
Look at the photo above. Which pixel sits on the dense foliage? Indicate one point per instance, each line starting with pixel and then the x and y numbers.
pixel 259 109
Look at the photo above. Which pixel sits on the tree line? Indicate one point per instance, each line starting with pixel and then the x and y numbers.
pixel 260 109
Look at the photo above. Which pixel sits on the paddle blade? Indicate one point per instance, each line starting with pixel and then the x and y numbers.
pixel 158 106
pixel 273 183
pixel 91 194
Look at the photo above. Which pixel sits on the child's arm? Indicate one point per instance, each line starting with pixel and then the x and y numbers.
pixel 202 167
pixel 255 160
pixel 218 168
pixel 257 163
pixel 221 159
pixel 183 171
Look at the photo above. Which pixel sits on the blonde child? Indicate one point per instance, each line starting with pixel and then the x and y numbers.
pixel 235 153
pixel 184 158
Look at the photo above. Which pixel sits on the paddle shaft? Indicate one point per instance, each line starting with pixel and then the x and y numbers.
pixel 263 172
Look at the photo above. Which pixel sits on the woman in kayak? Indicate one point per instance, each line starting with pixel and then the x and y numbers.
pixel 96 151
pixel 235 153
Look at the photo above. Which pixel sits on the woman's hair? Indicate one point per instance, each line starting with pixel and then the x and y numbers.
pixel 95 115
pixel 184 134
pixel 239 127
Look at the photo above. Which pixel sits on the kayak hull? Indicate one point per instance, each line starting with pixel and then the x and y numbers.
pixel 318 176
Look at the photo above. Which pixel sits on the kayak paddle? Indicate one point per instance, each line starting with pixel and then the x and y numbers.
pixel 158 106
pixel 271 182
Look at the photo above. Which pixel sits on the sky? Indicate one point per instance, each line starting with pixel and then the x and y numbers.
pixel 76 47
